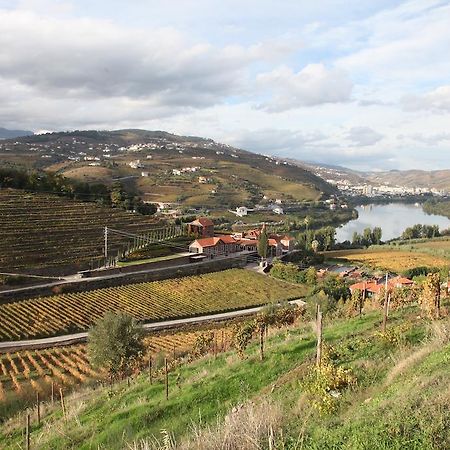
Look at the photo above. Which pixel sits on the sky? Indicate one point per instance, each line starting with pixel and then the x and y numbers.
pixel 359 83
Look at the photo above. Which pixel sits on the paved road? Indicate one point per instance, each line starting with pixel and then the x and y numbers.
pixel 155 326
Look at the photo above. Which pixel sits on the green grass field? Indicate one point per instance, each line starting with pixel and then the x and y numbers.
pixel 401 398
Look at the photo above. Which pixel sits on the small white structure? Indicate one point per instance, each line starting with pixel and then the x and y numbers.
pixel 145 174
pixel 136 164
pixel 241 211
pixel 176 172
pixel 278 210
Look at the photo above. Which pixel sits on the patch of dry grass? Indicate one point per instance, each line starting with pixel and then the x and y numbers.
pixel 396 261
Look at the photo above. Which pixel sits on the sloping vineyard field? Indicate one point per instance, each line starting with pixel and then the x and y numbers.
pixel 27 372
pixel 40 230
pixel 152 301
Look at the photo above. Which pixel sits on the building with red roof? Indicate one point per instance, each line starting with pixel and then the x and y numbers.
pixel 201 227
pixel 373 287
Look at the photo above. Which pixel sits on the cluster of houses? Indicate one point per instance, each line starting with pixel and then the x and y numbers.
pixel 370 287
pixel 211 244
pixel 373 287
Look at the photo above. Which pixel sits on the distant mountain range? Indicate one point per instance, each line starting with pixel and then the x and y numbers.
pixel 435 179
pixel 438 179
pixel 11 134
pixel 59 151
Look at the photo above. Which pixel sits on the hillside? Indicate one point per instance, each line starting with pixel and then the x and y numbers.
pixel 397 397
pixel 230 176
pixel 11 134
pixel 40 230
pixel 436 179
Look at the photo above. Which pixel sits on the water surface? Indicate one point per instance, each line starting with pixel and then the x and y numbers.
pixel 392 218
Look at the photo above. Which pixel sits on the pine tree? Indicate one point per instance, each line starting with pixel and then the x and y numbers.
pixel 263 243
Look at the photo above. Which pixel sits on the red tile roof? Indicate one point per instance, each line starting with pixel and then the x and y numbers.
pixel 202 222
pixel 227 239
pixel 373 286
pixel 213 241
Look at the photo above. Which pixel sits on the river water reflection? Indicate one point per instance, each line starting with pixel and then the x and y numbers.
pixel 392 218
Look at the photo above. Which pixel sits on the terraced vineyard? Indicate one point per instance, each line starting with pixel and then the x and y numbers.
pixel 39 230
pixel 26 372
pixel 152 301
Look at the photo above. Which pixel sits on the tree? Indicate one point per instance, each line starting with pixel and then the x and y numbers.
pixel 329 238
pixel 376 235
pixel 367 237
pixel 263 243
pixel 430 299
pixel 115 344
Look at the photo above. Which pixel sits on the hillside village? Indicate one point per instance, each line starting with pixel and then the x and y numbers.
pixel 371 185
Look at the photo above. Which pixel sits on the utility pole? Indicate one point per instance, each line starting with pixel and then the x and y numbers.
pixel 106 243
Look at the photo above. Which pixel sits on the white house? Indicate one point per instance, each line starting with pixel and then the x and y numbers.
pixel 241 211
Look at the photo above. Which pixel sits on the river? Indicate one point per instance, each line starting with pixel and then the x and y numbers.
pixel 392 218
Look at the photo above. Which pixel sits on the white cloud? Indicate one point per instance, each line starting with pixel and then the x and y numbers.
pixel 313 85
pixel 428 139
pixel 437 100
pixel 363 136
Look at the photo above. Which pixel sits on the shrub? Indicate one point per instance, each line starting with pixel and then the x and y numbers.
pixel 115 344
pixel 326 382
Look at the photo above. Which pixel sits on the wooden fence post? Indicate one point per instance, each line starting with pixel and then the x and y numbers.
pixel 385 312
pixel 150 370
pixel 319 336
pixel 63 406
pixel 38 408
pixel 27 432
pixel 174 352
pixel 261 342
pixel 166 370
pixel 222 346
pixel 215 345
pixel 53 393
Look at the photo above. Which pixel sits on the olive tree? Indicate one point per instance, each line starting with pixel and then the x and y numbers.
pixel 115 344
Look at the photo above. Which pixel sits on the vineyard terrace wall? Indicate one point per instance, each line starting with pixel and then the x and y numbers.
pixel 154 274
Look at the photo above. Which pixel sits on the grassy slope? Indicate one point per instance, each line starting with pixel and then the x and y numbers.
pixel 401 401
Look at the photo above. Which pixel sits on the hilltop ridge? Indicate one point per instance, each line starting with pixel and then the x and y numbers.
pixel 163 167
